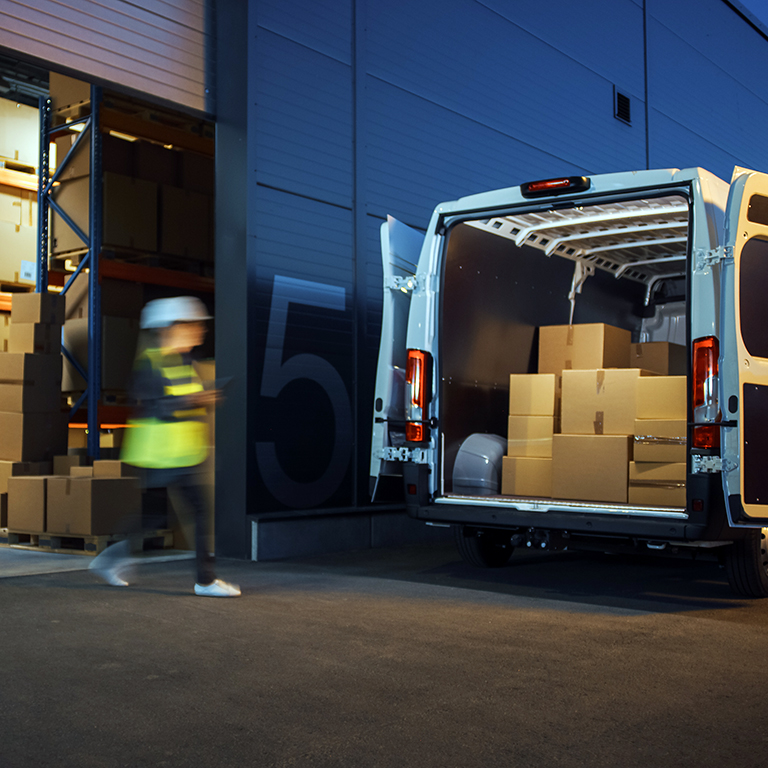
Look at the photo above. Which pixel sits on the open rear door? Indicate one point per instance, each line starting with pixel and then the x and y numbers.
pixel 744 356
pixel 400 249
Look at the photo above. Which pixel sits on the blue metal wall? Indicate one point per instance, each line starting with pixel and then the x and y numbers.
pixel 359 109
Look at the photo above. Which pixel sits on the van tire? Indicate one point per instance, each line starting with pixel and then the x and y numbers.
pixel 484 549
pixel 746 562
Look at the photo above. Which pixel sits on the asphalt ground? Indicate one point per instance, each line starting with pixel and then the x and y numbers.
pixel 403 657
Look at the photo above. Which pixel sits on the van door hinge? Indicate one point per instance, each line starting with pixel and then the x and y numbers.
pixel 406 284
pixel 416 455
pixel 705 258
pixel 704 465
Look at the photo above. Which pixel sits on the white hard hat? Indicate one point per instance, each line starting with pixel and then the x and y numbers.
pixel 161 313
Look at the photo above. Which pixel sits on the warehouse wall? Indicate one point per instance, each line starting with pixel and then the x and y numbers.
pixel 360 109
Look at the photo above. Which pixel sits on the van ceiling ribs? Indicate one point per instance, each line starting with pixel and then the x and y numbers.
pixel 642 240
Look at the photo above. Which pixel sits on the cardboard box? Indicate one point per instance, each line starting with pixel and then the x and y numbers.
pixel 30 383
pixel 17 245
pixel 67 92
pixel 530 436
pixel 32 436
pixel 130 213
pixel 27 503
pixel 117 156
pixel 590 467
pixel 532 394
pixel 660 485
pixel 119 298
pixel 62 465
pixel 662 397
pixel 660 357
pixel 19 468
pixel 660 440
pixel 81 471
pixel 582 347
pixel 112 468
pixel 83 506
pixel 5 328
pixel 38 308
pixel 119 337
pixel 156 163
pixel 197 173
pixel 78 162
pixel 526 476
pixel 19 132
pixel 35 338
pixel 600 402
pixel 185 224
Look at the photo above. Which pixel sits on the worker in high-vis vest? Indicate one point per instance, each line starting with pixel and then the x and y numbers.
pixel 167 439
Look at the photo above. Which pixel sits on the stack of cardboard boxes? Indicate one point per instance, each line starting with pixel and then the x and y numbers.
pixel 32 424
pixel 616 419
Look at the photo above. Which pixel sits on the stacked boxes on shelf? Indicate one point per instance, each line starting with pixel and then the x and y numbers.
pixel 658 473
pixel 532 422
pixel 32 424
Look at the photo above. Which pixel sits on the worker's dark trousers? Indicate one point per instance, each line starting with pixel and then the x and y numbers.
pixel 185 485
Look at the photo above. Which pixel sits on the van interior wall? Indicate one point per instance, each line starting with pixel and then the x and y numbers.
pixel 494 297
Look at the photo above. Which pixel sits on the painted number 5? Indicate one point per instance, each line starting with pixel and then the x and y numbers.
pixel 278 374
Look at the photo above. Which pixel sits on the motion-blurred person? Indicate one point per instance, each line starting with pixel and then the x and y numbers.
pixel 168 439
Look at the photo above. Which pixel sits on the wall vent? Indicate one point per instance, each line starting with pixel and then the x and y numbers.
pixel 621 107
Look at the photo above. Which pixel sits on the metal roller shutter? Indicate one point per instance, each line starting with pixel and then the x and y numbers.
pixel 155 47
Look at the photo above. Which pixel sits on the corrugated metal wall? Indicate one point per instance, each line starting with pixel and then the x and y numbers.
pixel 155 47
pixel 363 109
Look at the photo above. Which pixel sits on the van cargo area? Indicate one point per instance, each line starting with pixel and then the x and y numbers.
pixel 510 284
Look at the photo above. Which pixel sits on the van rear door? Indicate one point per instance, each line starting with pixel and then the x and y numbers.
pixel 400 250
pixel 744 356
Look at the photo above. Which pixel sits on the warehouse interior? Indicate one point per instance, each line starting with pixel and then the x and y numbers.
pixel 154 224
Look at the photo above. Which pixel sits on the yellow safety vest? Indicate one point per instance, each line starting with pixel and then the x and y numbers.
pixel 157 444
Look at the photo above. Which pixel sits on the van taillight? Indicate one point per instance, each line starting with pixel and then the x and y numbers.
pixel 705 384
pixel 418 380
pixel 547 187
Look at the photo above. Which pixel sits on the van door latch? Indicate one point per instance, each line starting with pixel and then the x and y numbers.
pixel 704 259
pixel 416 455
pixel 707 465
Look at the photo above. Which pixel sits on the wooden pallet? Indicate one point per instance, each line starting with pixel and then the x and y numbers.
pixel 68 544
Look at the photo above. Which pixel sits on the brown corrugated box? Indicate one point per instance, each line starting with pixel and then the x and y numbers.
pixel 530 436
pixel 660 357
pixel 27 503
pixel 92 505
pixel 81 471
pixel 660 440
pixel 66 91
pixel 29 383
pixel 590 467
pixel 580 347
pixel 119 298
pixel 112 468
pixel 185 224
pixel 19 468
pixel 662 397
pixel 63 464
pixel 35 338
pixel 661 485
pixel 5 327
pixel 532 394
pixel 17 244
pixel 600 402
pixel 32 436
pixel 38 308
pixel 119 337
pixel 526 476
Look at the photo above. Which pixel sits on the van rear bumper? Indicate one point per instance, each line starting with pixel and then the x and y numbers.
pixel 663 523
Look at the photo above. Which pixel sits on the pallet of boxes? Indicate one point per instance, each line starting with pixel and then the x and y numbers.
pixel 43 505
pixel 604 420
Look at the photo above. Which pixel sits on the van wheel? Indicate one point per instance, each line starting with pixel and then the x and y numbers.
pixel 485 549
pixel 746 562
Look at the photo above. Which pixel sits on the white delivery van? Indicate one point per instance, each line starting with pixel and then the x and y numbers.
pixel 676 256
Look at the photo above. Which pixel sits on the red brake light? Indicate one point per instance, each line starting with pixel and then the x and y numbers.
pixel 705 407
pixel 416 376
pixel 555 186
pixel 418 382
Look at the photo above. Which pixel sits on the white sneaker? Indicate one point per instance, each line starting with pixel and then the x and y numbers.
pixel 217 588
pixel 111 564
